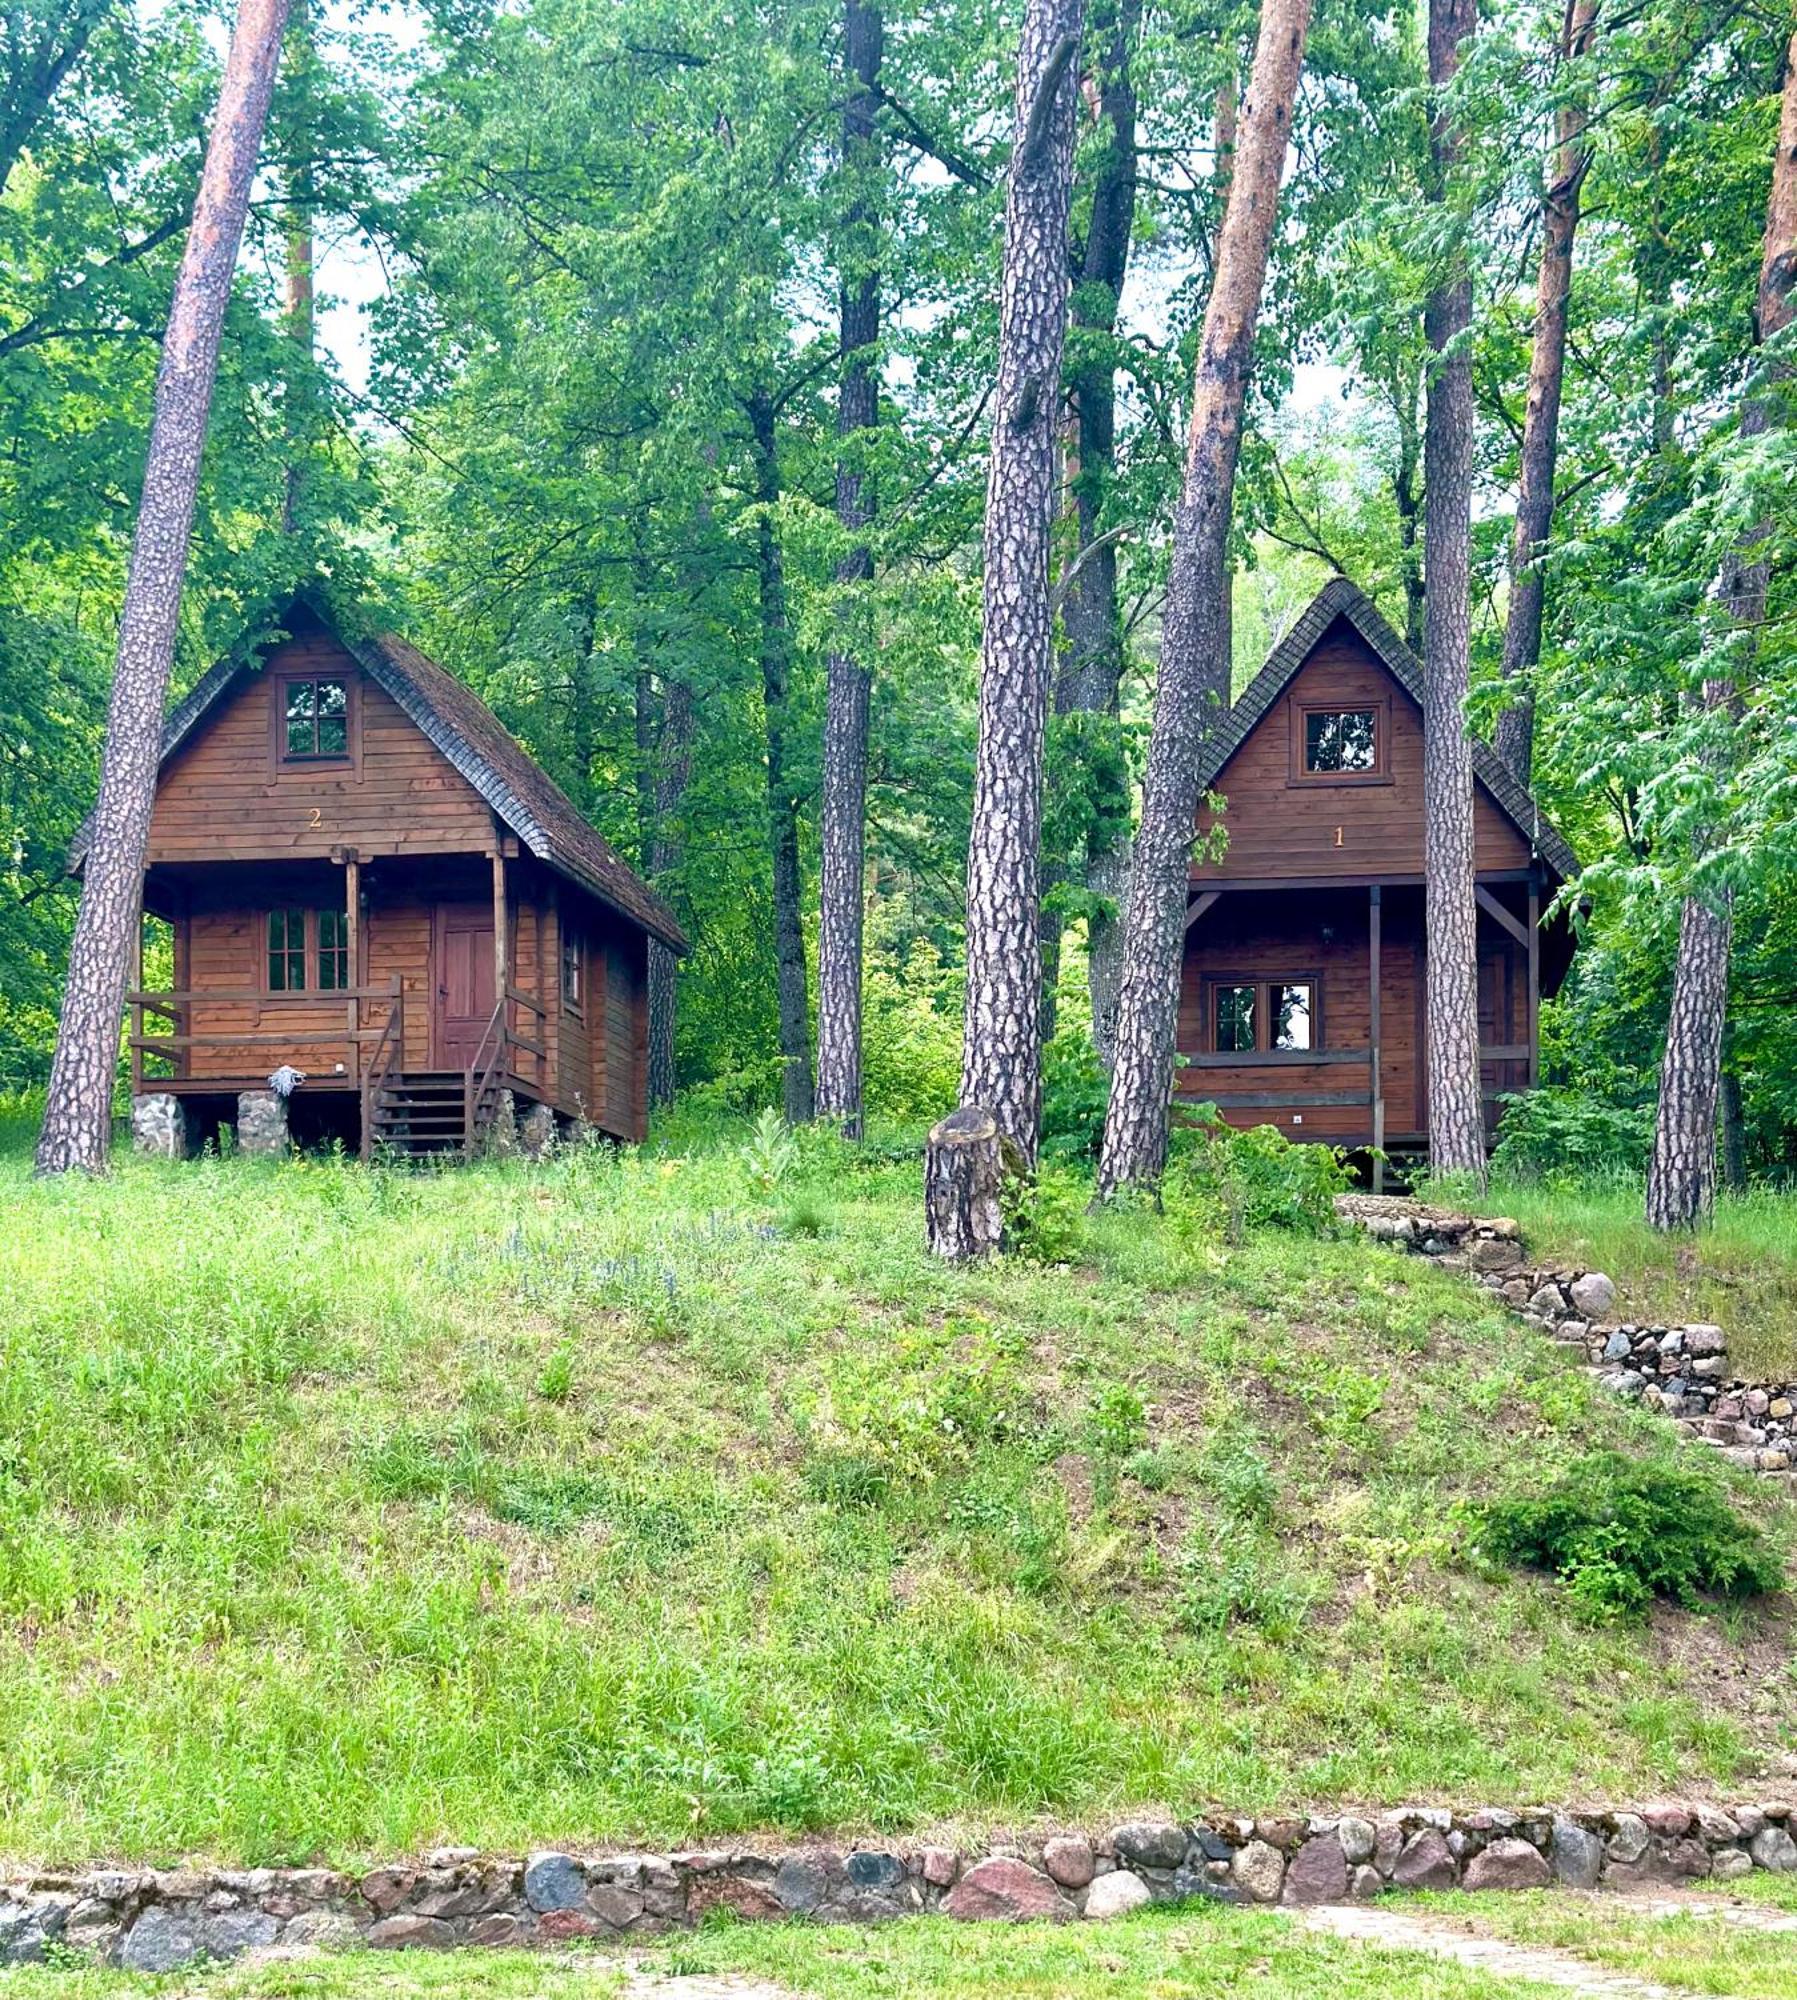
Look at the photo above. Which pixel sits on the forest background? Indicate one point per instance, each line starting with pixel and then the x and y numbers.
pixel 586 451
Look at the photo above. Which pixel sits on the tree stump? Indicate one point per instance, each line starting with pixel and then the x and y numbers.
pixel 963 1175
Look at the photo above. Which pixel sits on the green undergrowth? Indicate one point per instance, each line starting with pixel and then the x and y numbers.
pixel 1739 1273
pixel 666 1494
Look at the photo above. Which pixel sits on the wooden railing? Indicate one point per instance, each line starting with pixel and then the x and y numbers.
pixel 484 1073
pixel 177 1008
pixel 389 1049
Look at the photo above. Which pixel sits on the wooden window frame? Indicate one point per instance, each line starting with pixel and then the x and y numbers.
pixel 572 941
pixel 1380 774
pixel 1263 984
pixel 301 760
pixel 287 911
pixel 311 958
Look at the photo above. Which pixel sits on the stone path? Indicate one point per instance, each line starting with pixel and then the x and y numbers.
pixel 640 1985
pixel 1452 1938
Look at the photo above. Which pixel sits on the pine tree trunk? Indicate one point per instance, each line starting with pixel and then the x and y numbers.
pixel 1409 506
pixel 78 1113
pixel 673 768
pixel 782 808
pixel 842 862
pixel 1091 671
pixel 1193 685
pixel 1515 734
pixel 1456 1111
pixel 301 317
pixel 1001 1051
pixel 1681 1176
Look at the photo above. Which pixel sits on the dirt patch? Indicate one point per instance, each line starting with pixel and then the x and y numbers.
pixel 1751 1679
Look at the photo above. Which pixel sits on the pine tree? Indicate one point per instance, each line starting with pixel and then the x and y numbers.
pixel 1193 688
pixel 78 1112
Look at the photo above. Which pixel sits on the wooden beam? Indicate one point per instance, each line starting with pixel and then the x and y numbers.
pixel 352 904
pixel 1533 1034
pixel 502 967
pixel 1268 1058
pixel 1495 910
pixel 1267 1100
pixel 1199 904
pixel 137 1012
pixel 1375 917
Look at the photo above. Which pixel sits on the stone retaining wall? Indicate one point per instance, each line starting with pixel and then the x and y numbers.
pixel 154 1921
pixel 1681 1371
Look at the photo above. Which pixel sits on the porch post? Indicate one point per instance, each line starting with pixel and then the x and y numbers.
pixel 352 905
pixel 502 968
pixel 1534 978
pixel 137 986
pixel 1375 1080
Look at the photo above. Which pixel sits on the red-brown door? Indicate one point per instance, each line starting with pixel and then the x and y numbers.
pixel 464 995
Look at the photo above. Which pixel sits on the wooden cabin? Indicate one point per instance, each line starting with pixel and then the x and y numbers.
pixel 1302 997
pixel 371 883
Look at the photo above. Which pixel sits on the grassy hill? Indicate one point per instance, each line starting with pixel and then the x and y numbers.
pixel 642 1497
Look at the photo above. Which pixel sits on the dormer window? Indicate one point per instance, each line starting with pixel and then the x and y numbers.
pixel 1340 743
pixel 315 720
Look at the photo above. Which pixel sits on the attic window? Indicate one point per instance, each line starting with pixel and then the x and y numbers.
pixel 1337 744
pixel 1341 739
pixel 316 719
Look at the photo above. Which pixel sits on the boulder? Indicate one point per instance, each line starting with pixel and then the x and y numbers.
pixel 741 1895
pixel 1115 1895
pixel 1578 1855
pixel 1508 1864
pixel 1003 1890
pixel 619 1908
pixel 801 1883
pixel 498 1932
pixel 322 1930
pixel 411 1934
pixel 940 1866
pixel 1493 1253
pixel 1318 1872
pixel 1258 1870
pixel 1358 1839
pixel 1425 1863
pixel 1628 1842
pixel 1069 1860
pixel 1150 1843
pixel 1592 1295
pixel 161 1940
pixel 554 1882
pixel 233 1932
pixel 1773 1848
pixel 871 1868
pixel 1548 1301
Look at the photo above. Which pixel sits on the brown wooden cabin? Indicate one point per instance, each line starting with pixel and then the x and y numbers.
pixel 369 880
pixel 1302 998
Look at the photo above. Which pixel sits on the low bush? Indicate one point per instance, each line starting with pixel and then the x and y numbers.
pixel 1229 1182
pixel 1556 1134
pixel 1620 1532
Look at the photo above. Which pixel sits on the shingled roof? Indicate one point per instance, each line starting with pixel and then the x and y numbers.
pixel 478 745
pixel 1339 598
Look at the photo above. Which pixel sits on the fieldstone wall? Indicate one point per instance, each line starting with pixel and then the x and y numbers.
pixel 159 1128
pixel 1681 1371
pixel 261 1123
pixel 155 1921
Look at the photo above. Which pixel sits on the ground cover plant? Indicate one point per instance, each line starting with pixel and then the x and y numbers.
pixel 663 1494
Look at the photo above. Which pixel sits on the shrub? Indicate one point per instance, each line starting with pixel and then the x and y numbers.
pixel 1231 1181
pixel 1044 1215
pixel 1075 1091
pixel 1554 1134
pixel 1620 1532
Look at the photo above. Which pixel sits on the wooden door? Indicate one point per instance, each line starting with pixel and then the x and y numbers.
pixel 464 982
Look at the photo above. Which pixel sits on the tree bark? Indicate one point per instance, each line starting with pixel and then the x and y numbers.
pixel 77 1115
pixel 1091 671
pixel 843 842
pixel 1456 1112
pixel 1193 686
pixel 663 852
pixel 1001 1052
pixel 301 317
pixel 1681 1175
pixel 782 807
pixel 963 1186
pixel 1515 733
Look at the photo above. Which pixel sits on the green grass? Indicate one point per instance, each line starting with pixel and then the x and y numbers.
pixel 345 1512
pixel 1740 1273
pixel 1201 1953
pixel 1691 1951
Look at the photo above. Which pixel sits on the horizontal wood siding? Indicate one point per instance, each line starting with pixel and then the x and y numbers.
pixel 1281 828
pixel 225 796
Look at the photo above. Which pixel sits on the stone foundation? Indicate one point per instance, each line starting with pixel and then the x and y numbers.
pixel 154 1921
pixel 1681 1371
pixel 261 1122
pixel 159 1127
pixel 536 1133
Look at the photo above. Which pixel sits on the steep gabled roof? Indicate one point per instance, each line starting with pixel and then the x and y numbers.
pixel 478 745
pixel 1339 598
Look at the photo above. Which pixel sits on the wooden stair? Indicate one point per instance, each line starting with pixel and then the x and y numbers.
pixel 418 1113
